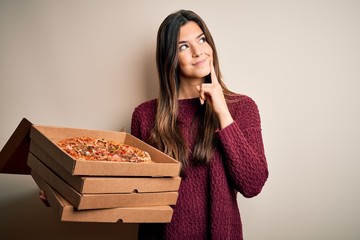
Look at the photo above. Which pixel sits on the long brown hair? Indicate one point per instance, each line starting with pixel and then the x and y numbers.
pixel 166 135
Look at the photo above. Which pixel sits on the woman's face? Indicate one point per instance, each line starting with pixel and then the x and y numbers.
pixel 194 52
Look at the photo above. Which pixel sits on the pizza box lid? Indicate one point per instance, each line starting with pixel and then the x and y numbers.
pixel 13 156
pixel 67 213
pixel 47 138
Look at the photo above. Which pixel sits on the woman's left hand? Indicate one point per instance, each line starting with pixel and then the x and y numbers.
pixel 213 93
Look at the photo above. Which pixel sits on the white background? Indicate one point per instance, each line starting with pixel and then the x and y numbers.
pixel 87 64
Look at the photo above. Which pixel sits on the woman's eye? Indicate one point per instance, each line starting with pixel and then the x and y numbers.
pixel 183 47
pixel 202 40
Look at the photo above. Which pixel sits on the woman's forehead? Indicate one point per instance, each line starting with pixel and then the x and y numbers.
pixel 189 31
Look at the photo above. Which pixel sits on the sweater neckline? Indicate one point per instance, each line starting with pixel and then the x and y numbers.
pixel 188 101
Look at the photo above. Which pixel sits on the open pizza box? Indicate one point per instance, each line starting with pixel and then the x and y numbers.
pixel 67 213
pixel 99 201
pixel 13 156
pixel 47 138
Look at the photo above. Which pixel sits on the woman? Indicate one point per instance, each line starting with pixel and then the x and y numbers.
pixel 213 132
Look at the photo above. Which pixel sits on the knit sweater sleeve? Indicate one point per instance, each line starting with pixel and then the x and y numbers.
pixel 142 119
pixel 135 123
pixel 243 149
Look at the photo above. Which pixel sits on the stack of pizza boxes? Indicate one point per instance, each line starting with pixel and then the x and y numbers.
pixel 103 191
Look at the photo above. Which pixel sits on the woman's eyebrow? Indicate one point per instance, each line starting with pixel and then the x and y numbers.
pixel 199 36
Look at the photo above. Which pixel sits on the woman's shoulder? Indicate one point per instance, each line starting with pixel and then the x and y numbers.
pixel 147 106
pixel 244 110
pixel 240 100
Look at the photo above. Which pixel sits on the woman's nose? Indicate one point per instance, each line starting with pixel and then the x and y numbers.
pixel 196 51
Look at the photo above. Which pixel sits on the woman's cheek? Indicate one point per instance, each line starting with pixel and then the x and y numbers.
pixel 210 55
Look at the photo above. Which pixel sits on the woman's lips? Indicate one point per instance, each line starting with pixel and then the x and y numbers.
pixel 199 63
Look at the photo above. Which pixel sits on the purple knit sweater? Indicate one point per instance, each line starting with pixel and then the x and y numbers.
pixel 207 207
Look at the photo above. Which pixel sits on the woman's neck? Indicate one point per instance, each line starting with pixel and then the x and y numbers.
pixel 187 88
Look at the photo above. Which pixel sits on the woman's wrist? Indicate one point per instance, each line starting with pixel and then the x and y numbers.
pixel 225 119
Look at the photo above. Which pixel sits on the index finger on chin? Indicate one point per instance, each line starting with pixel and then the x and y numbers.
pixel 213 73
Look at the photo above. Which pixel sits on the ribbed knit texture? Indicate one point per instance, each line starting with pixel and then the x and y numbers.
pixel 207 207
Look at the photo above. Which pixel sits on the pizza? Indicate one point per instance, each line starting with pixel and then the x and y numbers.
pixel 100 149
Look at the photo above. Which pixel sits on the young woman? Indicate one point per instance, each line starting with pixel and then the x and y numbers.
pixel 213 132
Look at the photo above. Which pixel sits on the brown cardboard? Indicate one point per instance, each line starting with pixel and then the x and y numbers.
pixel 67 213
pixel 89 184
pixel 98 201
pixel 13 155
pixel 47 136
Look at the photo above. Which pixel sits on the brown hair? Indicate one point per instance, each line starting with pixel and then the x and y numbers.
pixel 166 135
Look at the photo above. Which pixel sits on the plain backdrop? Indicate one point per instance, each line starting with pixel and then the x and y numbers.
pixel 88 64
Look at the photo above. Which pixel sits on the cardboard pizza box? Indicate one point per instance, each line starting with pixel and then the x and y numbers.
pixel 99 201
pixel 67 213
pixel 47 138
pixel 111 184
